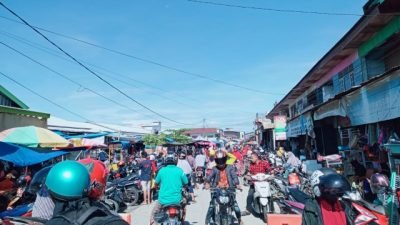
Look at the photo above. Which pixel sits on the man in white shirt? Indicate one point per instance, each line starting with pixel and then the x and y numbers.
pixel 187 169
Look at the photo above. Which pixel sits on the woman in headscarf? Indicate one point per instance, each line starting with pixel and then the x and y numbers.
pixel 292 160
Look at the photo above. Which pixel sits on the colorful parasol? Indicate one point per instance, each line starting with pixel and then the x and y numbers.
pixel 32 136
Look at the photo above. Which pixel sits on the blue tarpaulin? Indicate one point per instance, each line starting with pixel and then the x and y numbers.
pixel 88 136
pixel 24 156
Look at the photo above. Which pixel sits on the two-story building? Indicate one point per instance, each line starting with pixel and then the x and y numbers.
pixel 353 91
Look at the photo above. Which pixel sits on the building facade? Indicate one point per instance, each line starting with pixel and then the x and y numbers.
pixel 351 93
pixel 15 113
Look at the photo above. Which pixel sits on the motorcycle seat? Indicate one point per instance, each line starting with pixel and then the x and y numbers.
pixel 171 205
pixel 298 195
pixel 376 208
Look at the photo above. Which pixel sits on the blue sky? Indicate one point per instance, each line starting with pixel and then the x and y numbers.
pixel 268 51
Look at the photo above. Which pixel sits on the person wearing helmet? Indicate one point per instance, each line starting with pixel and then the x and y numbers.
pixel 122 169
pixel 22 184
pixel 222 176
pixel 326 208
pixel 69 185
pixel 171 179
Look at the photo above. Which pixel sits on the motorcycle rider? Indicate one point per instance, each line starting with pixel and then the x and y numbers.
pixel 326 208
pixel 256 166
pixel 222 176
pixel 171 179
pixel 75 196
pixel 187 169
pixel 200 160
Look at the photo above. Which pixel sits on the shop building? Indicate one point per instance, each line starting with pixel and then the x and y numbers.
pixel 352 94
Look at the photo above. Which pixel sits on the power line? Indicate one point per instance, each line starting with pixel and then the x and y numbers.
pixel 149 61
pixel 52 102
pixel 57 54
pixel 275 9
pixel 67 78
pixel 88 69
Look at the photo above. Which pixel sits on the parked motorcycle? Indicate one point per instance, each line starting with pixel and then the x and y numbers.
pixel 114 199
pixel 22 221
pixel 366 213
pixel 130 188
pixel 263 202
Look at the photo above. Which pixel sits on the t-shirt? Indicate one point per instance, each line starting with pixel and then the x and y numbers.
pixel 223 179
pixel 171 180
pixel 145 170
pixel 200 160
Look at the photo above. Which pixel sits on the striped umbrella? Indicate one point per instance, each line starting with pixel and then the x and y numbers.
pixel 32 136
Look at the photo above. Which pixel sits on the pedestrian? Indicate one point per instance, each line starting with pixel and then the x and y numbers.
pixel 146 172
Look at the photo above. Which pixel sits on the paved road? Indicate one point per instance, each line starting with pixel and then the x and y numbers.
pixel 196 213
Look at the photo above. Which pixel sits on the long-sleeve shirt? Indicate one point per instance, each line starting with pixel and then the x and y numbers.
pixel 231 158
pixel 259 167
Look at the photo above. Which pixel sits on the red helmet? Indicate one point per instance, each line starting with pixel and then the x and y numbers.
pixel 98 173
pixel 121 163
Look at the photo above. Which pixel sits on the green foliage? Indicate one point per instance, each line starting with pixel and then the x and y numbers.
pixel 156 140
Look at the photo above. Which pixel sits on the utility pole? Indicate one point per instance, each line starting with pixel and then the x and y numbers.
pixel 204 127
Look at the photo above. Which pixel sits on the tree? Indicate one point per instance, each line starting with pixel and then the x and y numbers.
pixel 176 135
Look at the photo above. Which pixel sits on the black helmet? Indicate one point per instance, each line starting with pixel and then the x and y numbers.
pixel 38 180
pixel 220 158
pixel 23 180
pixel 333 186
pixel 170 159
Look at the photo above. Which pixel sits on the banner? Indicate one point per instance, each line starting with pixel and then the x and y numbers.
pixel 375 102
pixel 280 128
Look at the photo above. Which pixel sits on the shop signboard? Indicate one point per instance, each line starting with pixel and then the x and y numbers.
pixel 301 125
pixel 280 128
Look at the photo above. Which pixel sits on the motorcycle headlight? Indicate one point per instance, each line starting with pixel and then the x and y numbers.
pixel 223 199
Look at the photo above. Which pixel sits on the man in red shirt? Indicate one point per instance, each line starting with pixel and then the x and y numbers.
pixel 256 166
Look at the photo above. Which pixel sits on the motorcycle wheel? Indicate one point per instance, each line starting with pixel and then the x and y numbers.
pixel 131 196
pixel 264 214
pixel 114 206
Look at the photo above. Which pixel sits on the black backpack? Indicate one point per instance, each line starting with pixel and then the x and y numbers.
pixel 91 216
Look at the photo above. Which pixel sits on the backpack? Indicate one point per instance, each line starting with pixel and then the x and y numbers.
pixel 91 216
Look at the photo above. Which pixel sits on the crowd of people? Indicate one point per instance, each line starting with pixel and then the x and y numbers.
pixel 72 191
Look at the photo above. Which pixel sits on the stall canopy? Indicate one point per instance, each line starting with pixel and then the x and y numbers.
pixel 334 108
pixel 24 156
pixel 32 136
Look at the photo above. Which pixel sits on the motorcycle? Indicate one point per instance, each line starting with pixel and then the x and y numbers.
pixel 114 199
pixel 169 215
pixel 130 188
pixel 223 209
pixel 366 213
pixel 172 214
pixel 263 202
pixel 199 175
pixel 22 221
